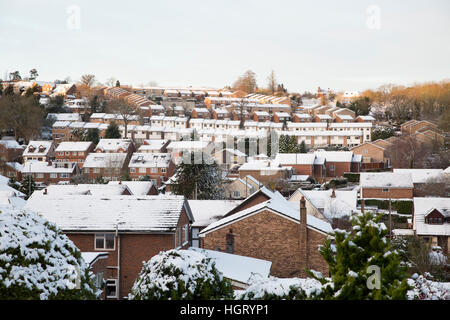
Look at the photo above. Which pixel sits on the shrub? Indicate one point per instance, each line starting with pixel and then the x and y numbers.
pixel 37 261
pixel 351 177
pixel 180 275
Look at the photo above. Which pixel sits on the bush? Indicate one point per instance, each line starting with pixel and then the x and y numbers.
pixel 351 177
pixel 401 206
pixel 180 275
pixel 37 261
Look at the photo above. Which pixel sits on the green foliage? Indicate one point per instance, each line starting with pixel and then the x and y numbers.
pixel 382 133
pixel 27 186
pixel 288 144
pixel 351 177
pixel 92 135
pixel 351 256
pixel 198 180
pixel 360 106
pixel 126 177
pixel 112 132
pixel 333 183
pixel 401 206
pixel 183 278
pixel 144 178
pixel 100 180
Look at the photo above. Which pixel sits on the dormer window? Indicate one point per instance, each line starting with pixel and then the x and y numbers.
pixel 434 217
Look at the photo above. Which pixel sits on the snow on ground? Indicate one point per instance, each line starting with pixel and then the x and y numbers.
pixel 425 289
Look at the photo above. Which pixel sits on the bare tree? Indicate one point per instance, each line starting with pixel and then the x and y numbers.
pixel 242 104
pixel 246 82
pixel 124 110
pixel 88 80
pixel 272 82
pixel 111 82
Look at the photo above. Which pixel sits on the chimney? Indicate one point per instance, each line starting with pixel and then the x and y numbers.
pixel 333 194
pixel 45 191
pixel 303 211
pixel 120 181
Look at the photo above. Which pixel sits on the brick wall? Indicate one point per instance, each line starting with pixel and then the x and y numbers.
pixel 270 237
pixel 377 193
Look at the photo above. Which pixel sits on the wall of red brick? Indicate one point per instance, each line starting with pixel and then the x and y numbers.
pixel 377 193
pixel 270 237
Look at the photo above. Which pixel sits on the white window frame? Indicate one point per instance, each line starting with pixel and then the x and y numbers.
pixel 385 189
pixel 142 170
pixel 115 285
pixel 53 175
pixel 132 170
pixel 103 235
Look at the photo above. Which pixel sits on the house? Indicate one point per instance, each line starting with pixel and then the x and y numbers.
pixel 200 113
pixel 115 146
pixel 266 171
pixel 324 118
pixel 97 264
pixel 42 150
pixel 49 172
pixel 64 117
pixel 374 155
pixel 157 166
pixel 181 150
pixel 95 189
pixel 328 204
pixel 10 150
pixel 281 117
pixel 230 156
pixel 138 188
pixel 240 277
pixel 154 146
pixel 254 227
pixel 131 229
pixel 338 162
pixel 237 188
pixel 12 170
pixel 365 119
pixel 73 152
pixel 260 116
pixel 431 221
pixel 301 163
pixel 301 117
pixel 386 185
pixel 110 166
pixel 204 216
pixel 343 118
pixel 421 177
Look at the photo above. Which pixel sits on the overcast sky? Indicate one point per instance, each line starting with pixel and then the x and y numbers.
pixel 342 45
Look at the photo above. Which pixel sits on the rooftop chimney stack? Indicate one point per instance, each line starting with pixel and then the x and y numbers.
pixel 303 211
pixel 333 194
pixel 303 238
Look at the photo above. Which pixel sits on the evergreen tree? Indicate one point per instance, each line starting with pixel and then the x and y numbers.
pixel 303 148
pixel 27 186
pixel 288 144
pixel 353 261
pixel 112 132
pixel 92 135
pixel 144 178
pixel 198 180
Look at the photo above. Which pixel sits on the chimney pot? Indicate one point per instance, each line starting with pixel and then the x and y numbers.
pixel 45 191
pixel 333 194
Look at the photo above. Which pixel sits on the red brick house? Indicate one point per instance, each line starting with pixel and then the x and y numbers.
pixel 110 166
pixel 158 166
pixel 115 146
pixel 200 113
pixel 10 150
pixel 73 152
pixel 385 185
pixel 131 229
pixel 254 230
pixel 42 150
pixel 50 172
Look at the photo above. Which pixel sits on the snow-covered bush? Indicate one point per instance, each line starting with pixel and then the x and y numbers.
pixel 273 288
pixel 37 261
pixel 425 289
pixel 180 275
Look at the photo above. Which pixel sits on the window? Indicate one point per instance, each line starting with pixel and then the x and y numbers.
pixel 385 190
pixel 111 289
pixel 153 170
pixel 74 153
pixel 81 153
pixel 132 170
pixel 142 170
pixel 67 153
pixel 39 175
pixel 104 241
pixel 99 280
pixel 64 175
pixel 53 175
pixel 186 233
pixel 332 167
pixel 163 170
pixel 96 170
pixel 236 194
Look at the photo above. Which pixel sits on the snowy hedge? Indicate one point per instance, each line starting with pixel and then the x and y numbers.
pixel 273 288
pixel 37 261
pixel 425 289
pixel 180 275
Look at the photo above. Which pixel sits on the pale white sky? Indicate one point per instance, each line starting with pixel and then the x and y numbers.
pixel 342 45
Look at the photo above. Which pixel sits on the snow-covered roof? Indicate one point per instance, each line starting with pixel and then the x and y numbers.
pixel 344 204
pixel 422 175
pixel 137 188
pixel 350 125
pixel 385 180
pixel 277 204
pixel 344 116
pixel 91 257
pixel 295 158
pixel 126 213
pixel 227 264
pixel 302 115
pixel 34 166
pixel 10 143
pixel 150 160
pixel 104 160
pixel 206 212
pixel 366 118
pixel 335 156
pixel 265 165
pixel 108 145
pixel 152 144
pixel 65 116
pixel 423 206
pixel 96 190
pixel 187 145
pixel 45 144
pixel 73 146
pixel 323 116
